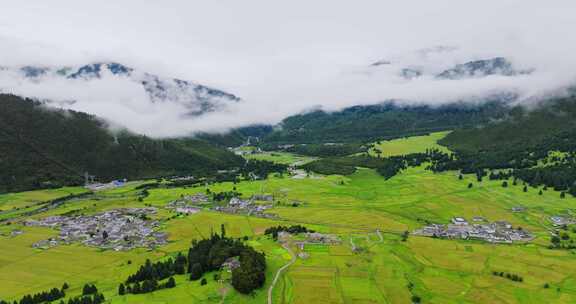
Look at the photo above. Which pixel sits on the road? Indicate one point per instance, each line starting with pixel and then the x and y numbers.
pixel 279 272
pixel 380 235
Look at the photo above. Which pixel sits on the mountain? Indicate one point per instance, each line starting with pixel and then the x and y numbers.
pixel 471 69
pixel 196 98
pixel 387 120
pixel 43 147
pixel 482 68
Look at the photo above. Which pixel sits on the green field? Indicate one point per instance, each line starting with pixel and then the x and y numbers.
pixel 384 270
pixel 408 145
pixel 281 157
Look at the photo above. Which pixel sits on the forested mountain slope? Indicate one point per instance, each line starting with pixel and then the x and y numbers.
pixel 549 126
pixel 365 123
pixel 41 147
pixel 538 144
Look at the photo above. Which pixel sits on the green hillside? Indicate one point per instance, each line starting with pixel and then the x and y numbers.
pixel 384 121
pixel 42 148
pixel 529 141
pixel 522 129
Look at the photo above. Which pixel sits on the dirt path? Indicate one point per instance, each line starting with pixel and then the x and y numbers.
pixel 352 243
pixel 380 235
pixel 279 272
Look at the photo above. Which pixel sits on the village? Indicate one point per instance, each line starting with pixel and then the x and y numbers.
pixel 256 205
pixel 119 230
pixel 561 220
pixel 460 228
pixel 188 204
pixel 249 207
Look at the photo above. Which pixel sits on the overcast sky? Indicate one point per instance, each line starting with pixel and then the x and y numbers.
pixel 285 57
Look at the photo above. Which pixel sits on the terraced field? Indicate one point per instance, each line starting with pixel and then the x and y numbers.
pixel 382 269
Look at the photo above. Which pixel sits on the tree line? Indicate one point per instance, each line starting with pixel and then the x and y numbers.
pixel 509 276
pixel 386 167
pixel 51 295
pixel 210 254
pixel 147 278
pixel 260 169
pixel 294 229
pixel 90 295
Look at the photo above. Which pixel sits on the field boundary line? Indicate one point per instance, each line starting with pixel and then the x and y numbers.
pixel 279 272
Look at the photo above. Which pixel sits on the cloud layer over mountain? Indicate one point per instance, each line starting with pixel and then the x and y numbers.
pixel 284 58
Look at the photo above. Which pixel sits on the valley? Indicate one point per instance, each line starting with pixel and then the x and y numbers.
pixel 302 152
pixel 375 258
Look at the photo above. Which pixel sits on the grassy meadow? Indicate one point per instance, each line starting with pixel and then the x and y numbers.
pixel 408 145
pixel 363 209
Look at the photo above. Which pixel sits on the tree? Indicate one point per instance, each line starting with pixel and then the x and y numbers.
pixel 562 194
pixel 222 228
pixel 180 264
pixel 89 290
pixel 171 283
pixel 416 299
pixel 65 286
pixel 121 289
pixel 252 271
pixel 470 185
pixel 203 282
pixel 195 272
pixel 505 184
pixel 460 176
pixel 525 189
pixel 405 235
pixel 540 192
pixel 136 288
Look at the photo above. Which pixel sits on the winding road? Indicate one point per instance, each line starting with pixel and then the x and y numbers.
pixel 293 260
pixel 279 272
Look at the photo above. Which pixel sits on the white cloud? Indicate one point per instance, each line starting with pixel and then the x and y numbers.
pixel 283 57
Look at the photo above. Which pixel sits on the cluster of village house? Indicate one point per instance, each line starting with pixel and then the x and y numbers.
pixel 119 229
pixel 188 204
pixel 101 186
pixel 561 220
pixel 495 232
pixel 309 238
pixel 241 151
pixel 249 207
pixel 321 238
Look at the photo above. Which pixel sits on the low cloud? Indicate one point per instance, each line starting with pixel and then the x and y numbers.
pixel 282 59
